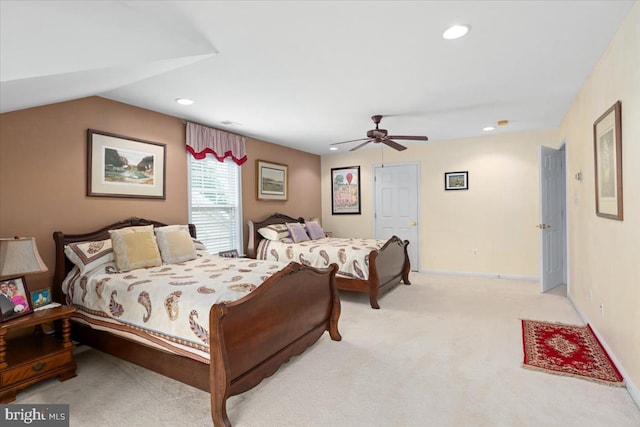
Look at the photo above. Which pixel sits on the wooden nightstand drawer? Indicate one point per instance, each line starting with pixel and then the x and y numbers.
pixel 33 358
pixel 35 368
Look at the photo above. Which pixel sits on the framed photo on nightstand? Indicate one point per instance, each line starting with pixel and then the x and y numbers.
pixel 14 298
pixel 231 253
pixel 40 298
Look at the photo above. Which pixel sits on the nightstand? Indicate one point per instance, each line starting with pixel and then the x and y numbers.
pixel 30 359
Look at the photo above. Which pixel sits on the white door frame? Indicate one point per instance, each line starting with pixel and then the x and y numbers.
pixel 417 244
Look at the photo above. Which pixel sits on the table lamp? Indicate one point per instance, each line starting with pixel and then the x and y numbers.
pixel 19 256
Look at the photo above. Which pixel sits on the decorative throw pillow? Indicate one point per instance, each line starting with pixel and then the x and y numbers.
pixel 135 247
pixel 314 230
pixel 175 244
pixel 297 233
pixel 200 247
pixel 274 231
pixel 89 255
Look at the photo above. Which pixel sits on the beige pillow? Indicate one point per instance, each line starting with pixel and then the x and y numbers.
pixel 135 247
pixel 175 244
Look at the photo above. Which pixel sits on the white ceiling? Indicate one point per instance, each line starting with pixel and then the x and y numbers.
pixel 306 74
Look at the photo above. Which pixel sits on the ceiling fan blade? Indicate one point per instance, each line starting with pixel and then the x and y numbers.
pixel 415 138
pixel 393 144
pixel 351 140
pixel 361 145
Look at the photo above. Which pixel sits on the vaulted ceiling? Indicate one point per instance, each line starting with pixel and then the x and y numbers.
pixel 306 74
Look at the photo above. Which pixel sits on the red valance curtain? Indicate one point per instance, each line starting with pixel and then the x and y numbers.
pixel 202 140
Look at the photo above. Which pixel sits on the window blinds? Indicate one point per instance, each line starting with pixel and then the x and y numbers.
pixel 215 203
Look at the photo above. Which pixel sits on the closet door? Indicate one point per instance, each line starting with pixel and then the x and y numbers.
pixel 396 206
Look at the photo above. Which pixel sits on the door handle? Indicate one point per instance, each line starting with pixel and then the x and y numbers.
pixel 414 223
pixel 543 226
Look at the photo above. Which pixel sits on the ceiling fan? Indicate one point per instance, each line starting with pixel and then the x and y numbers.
pixel 381 135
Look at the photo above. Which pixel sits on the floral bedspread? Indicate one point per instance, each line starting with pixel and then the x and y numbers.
pixel 170 302
pixel 351 255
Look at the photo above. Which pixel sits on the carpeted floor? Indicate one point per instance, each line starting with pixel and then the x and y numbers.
pixel 445 351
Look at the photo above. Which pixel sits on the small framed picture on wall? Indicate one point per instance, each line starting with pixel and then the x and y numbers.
pixel 456 180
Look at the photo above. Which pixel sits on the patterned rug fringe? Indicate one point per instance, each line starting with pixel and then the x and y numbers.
pixel 582 377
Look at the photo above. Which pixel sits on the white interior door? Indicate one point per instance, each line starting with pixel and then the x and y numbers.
pixel 552 218
pixel 396 206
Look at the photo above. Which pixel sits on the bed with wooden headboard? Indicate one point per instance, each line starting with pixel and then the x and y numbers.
pixel 248 339
pixel 386 266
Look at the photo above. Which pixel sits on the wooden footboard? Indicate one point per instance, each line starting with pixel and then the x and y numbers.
pixel 250 338
pixel 387 266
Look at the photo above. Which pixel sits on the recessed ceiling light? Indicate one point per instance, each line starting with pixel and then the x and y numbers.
pixel 184 101
pixel 455 32
pixel 230 123
pixel 333 149
pixel 488 128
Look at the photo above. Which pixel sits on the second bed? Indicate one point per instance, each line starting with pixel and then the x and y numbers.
pixel 365 265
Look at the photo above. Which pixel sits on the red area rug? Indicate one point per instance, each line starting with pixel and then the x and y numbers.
pixel 567 350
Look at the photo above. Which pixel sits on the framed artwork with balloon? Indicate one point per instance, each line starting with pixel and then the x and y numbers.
pixel 345 190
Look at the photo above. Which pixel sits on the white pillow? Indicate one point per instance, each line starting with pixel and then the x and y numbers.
pixel 274 231
pixel 135 247
pixel 175 244
pixel 89 255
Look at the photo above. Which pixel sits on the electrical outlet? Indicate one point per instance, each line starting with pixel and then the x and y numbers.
pixel 602 310
pixel 474 252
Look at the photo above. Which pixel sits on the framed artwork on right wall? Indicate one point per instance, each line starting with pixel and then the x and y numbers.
pixel 607 147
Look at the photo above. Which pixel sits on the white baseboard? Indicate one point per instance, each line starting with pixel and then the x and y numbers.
pixel 631 387
pixel 484 275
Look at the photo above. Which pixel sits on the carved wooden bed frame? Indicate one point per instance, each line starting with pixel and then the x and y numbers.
pixel 387 265
pixel 249 338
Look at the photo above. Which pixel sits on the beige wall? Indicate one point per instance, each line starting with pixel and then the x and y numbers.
pixel 497 215
pixel 43 173
pixel 604 253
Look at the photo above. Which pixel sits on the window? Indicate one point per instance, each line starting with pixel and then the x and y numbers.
pixel 215 203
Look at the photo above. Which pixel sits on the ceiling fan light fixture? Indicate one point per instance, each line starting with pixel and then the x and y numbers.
pixel 456 31
pixel 488 128
pixel 184 101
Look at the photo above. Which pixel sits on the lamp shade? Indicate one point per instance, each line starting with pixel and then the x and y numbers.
pixel 19 256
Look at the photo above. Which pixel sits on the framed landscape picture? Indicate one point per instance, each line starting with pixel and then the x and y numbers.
pixel 119 166
pixel 345 190
pixel 271 180
pixel 456 180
